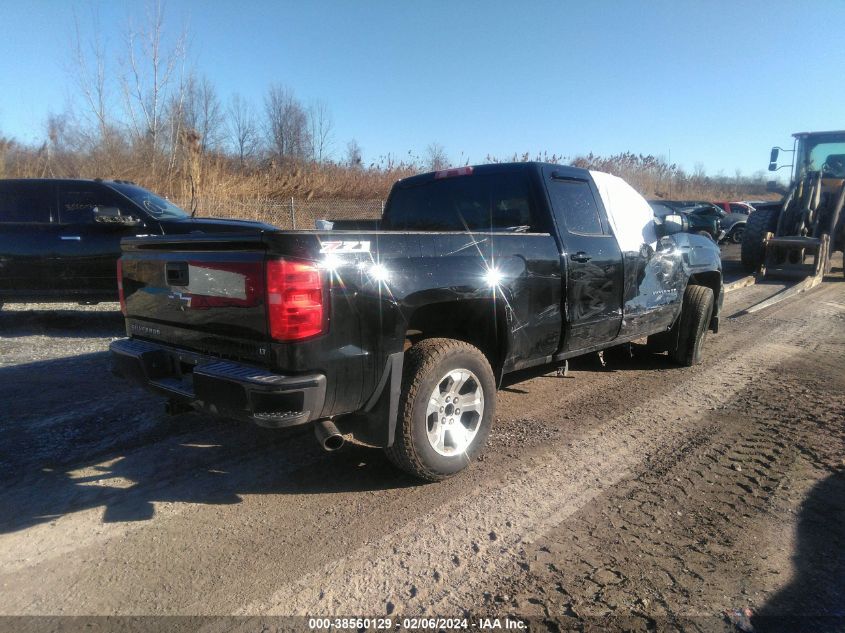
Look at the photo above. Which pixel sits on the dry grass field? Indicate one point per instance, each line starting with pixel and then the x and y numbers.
pixel 263 188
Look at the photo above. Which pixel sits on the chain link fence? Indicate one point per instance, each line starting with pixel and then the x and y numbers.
pixel 291 213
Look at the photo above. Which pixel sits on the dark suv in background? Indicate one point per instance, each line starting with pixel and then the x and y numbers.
pixel 60 239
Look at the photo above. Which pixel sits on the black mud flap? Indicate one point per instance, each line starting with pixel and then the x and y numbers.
pixel 375 424
pixel 666 340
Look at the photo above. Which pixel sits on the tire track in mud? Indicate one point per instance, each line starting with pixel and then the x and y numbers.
pixel 709 528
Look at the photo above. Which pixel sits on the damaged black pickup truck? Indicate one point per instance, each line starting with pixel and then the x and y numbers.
pixel 400 333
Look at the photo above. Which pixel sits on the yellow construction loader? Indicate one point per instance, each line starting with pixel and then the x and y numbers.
pixel 795 239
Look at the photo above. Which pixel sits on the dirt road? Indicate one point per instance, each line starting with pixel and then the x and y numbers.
pixel 635 496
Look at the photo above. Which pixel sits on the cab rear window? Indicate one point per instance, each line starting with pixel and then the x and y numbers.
pixel 489 202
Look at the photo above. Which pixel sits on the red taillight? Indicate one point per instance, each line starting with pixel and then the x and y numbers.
pixel 120 294
pixel 294 300
pixel 451 173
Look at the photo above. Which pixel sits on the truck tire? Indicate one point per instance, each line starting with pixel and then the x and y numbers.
pixel 758 224
pixel 435 438
pixel 692 327
pixel 737 233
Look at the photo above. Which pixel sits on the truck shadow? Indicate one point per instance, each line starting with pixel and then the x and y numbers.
pixel 62 323
pixel 815 598
pixel 93 441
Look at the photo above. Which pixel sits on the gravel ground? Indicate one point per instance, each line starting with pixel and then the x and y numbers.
pixel 636 496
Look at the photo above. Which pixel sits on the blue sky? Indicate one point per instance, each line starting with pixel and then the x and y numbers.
pixel 716 83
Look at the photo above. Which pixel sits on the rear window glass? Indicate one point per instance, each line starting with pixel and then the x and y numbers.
pixel 26 202
pixel 490 202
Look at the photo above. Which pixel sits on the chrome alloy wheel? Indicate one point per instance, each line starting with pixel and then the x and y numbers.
pixel 454 412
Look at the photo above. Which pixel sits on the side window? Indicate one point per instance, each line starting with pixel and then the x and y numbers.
pixel 573 203
pixel 738 208
pixel 77 204
pixel 26 202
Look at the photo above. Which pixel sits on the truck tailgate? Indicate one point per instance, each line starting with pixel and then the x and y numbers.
pixel 205 293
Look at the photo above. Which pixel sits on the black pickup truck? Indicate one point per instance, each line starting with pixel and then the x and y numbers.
pixel 401 334
pixel 60 238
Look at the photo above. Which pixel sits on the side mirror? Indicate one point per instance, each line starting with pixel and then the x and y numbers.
pixel 106 214
pixel 111 215
pixel 670 224
pixel 773 159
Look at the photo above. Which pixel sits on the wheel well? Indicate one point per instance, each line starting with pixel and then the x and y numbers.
pixel 479 322
pixel 713 280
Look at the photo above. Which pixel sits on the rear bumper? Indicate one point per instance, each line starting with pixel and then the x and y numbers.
pixel 221 387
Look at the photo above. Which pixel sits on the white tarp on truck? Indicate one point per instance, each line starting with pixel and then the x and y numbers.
pixel 631 217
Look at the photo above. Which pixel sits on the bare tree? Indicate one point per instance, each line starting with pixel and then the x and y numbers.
pixel 435 157
pixel 149 79
pixel 321 130
pixel 354 155
pixel 89 74
pixel 242 128
pixel 286 123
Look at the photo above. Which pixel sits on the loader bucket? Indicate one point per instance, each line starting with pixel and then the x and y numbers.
pixel 796 257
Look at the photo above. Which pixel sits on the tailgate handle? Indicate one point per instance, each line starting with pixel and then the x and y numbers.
pixel 177 273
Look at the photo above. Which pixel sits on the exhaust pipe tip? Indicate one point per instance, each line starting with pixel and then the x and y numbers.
pixel 328 435
pixel 334 443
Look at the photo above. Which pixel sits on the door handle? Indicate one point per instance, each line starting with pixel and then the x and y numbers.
pixel 72 237
pixel 580 256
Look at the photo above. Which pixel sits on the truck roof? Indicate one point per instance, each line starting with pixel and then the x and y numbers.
pixel 493 168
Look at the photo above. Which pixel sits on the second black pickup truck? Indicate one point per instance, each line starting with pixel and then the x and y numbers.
pixel 400 334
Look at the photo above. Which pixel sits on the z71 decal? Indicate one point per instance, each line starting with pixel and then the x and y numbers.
pixel 345 247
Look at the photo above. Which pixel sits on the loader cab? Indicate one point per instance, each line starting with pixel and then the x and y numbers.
pixel 822 152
